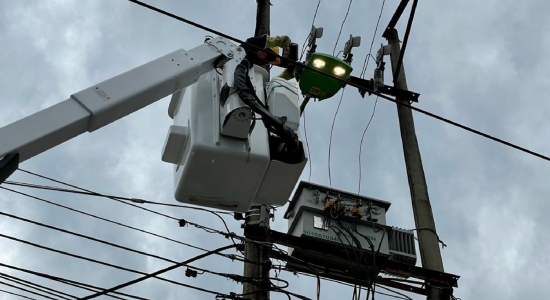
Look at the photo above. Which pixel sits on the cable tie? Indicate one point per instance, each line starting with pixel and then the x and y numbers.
pixel 443 245
pixel 191 273
pixel 229 235
pixel 135 200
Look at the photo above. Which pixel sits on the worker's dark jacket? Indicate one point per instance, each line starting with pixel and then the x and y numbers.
pixel 251 52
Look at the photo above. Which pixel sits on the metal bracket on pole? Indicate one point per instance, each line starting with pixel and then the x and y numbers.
pixel 396 16
pixel 258 216
pixel 391 25
pixel 371 86
pixel 389 266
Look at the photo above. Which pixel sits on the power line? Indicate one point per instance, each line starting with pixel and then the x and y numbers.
pixel 208 229
pixel 87 237
pixel 123 199
pixel 399 102
pixel 27 290
pixel 117 266
pixel 84 191
pixel 230 256
pixel 103 219
pixel 361 144
pixel 116 198
pixel 309 35
pixel 182 222
pixel 341 27
pixel 77 284
pixel 398 293
pixel 154 274
pixel 405 41
pixel 109 243
pixel 405 297
pixel 304 113
pixel 18 295
pixel 307 146
pixel 331 131
pixel 37 286
pixel 366 62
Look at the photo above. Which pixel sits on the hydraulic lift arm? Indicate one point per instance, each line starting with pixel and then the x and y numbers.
pixel 108 101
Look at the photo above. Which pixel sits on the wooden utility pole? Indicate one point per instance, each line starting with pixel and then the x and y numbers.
pixel 258 256
pixel 423 216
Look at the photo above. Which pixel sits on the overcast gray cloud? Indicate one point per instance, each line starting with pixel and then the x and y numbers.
pixel 480 63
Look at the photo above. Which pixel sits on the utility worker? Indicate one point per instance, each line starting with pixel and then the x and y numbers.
pixel 267 55
pixel 287 143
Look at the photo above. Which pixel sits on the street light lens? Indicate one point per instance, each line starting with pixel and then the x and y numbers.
pixel 318 63
pixel 339 71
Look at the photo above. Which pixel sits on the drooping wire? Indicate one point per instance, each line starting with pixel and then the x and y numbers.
pixel 123 199
pixel 341 27
pixel 398 293
pixel 331 131
pixel 120 267
pixel 366 62
pixel 206 228
pixel 350 261
pixel 345 283
pixel 232 257
pixel 180 221
pixel 91 193
pixel 70 282
pixel 18 295
pixel 402 103
pixel 307 265
pixel 27 290
pixel 372 284
pixel 155 274
pixel 96 194
pixel 443 245
pixel 309 35
pixel 37 287
pixel 86 237
pixel 307 146
pixel 361 143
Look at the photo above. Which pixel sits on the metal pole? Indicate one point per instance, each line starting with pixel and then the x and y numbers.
pixel 262 18
pixel 258 214
pixel 423 216
pixel 263 12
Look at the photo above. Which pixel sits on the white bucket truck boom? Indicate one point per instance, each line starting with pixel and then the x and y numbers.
pixel 223 156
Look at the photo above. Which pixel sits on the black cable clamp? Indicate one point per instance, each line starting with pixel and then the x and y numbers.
pixel 230 235
pixel 191 273
pixel 182 223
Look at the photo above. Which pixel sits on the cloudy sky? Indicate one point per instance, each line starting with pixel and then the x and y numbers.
pixel 480 63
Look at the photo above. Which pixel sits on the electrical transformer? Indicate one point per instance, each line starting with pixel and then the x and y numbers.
pixel 340 219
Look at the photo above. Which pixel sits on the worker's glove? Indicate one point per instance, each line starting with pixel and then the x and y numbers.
pixel 282 41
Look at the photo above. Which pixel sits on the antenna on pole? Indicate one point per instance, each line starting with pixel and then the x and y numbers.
pixel 354 41
pixel 314 34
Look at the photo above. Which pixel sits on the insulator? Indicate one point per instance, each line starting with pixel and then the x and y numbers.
pixel 378 78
